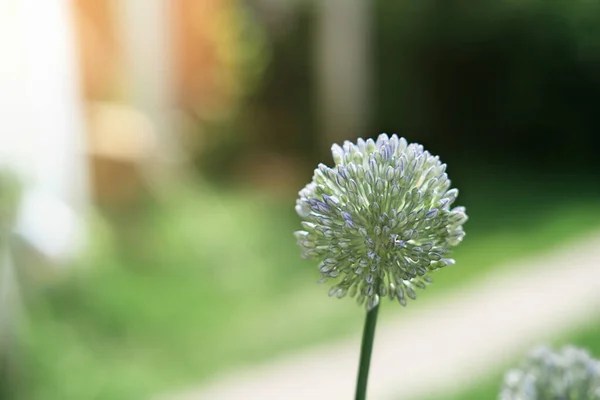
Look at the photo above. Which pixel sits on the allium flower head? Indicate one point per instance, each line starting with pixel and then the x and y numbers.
pixel 380 220
pixel 548 375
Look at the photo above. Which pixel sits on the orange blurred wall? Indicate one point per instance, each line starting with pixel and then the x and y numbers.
pixel 203 49
pixel 203 45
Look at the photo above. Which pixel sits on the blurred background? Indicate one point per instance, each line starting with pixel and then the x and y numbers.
pixel 152 151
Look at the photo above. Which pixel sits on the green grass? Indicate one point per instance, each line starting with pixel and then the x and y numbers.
pixel 213 279
pixel 588 337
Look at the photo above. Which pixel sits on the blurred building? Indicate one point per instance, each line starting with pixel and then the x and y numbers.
pixel 143 62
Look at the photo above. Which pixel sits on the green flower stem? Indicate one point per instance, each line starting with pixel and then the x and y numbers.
pixel 365 353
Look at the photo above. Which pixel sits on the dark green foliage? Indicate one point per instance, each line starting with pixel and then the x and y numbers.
pixel 509 81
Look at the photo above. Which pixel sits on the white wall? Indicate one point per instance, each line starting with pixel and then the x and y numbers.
pixel 41 121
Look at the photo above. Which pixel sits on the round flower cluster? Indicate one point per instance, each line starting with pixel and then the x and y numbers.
pixel 380 220
pixel 547 375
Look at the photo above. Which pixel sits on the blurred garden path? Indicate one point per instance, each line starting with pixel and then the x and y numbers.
pixel 443 345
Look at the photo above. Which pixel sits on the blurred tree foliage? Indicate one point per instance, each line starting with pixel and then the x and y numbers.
pixel 513 82
pixel 509 82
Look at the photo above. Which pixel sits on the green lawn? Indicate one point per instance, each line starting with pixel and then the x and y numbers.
pixel 213 280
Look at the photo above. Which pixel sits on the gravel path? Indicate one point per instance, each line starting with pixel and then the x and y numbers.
pixel 446 344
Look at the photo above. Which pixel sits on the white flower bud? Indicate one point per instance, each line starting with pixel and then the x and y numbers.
pixel 548 375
